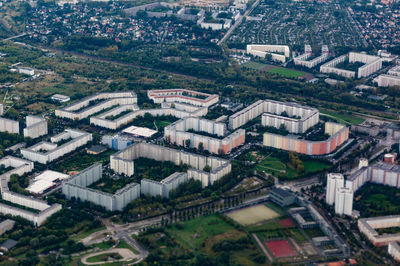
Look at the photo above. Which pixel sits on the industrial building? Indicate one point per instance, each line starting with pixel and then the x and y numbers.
pixel 116 142
pixel 163 187
pixel 278 52
pixel 45 152
pixel 8 125
pixel 142 132
pixel 297 118
pixel 20 167
pixel 45 181
pixel 371 65
pixel 368 227
pixel 282 197
pixel 339 134
pixel 181 133
pixel 184 96
pixel 302 60
pixel 77 187
pixel 60 98
pixel 96 103
pixel 333 182
pixel 35 127
pixel 122 162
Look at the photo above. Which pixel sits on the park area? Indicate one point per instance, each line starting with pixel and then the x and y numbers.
pixel 280 167
pixel 253 215
pixel 281 71
pixel 343 117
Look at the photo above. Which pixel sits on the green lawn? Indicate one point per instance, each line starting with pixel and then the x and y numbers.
pixel 343 118
pixel 314 166
pixel 195 232
pixel 254 65
pixel 104 257
pixel 289 73
pixel 123 244
pixel 84 234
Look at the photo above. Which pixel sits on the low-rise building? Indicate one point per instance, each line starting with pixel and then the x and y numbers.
pixel 282 197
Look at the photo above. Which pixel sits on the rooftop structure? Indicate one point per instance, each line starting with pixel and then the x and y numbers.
pixel 139 131
pixel 183 95
pixel 45 152
pixel 96 103
pixel 216 141
pixel 96 149
pixel 278 52
pixel 123 162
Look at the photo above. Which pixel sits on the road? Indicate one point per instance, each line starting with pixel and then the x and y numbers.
pixel 238 22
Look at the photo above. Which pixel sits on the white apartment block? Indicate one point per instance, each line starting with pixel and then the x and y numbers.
pixel 123 162
pixel 334 181
pixel 45 152
pixel 96 103
pixel 302 60
pixel 195 98
pixel 299 118
pixel 35 127
pixel 8 125
pixel 278 52
pixel 163 187
pixel 368 227
pixel 20 167
pixel 344 201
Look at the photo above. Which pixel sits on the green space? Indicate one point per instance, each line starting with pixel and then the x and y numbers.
pixel 254 65
pixel 123 244
pixel 153 122
pixel 377 200
pixel 342 117
pixel 105 257
pixel 284 167
pixel 285 72
pixel 80 160
pixel 194 233
pixel 81 235
pixel 313 232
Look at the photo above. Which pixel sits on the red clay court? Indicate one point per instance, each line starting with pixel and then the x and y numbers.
pixel 280 248
pixel 285 223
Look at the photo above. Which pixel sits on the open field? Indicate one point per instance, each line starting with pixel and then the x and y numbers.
pixel 196 231
pixel 285 72
pixel 254 65
pixel 253 215
pixel 343 118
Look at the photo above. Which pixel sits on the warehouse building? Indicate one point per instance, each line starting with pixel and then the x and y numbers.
pixel 123 161
pixel 214 138
pixel 163 187
pixel 195 98
pixel 35 127
pixel 45 181
pixel 45 152
pixel 77 187
pixel 96 103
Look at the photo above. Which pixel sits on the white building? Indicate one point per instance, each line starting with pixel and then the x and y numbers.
pixel 344 201
pixel 302 59
pixel 278 52
pixel 45 180
pixel 60 98
pixel 394 250
pixel 35 127
pixel 164 187
pixel 1 109
pixel 334 181
pixel 195 98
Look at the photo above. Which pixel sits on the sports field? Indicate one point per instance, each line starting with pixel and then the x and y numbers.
pixel 343 118
pixel 285 72
pixel 254 65
pixel 280 248
pixel 253 215
pixel 286 223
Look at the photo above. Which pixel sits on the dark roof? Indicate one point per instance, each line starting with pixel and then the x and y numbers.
pixel 97 148
pixel 281 192
pixel 9 244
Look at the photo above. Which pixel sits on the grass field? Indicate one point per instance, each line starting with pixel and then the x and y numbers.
pixel 254 65
pixel 195 232
pixel 276 167
pixel 104 257
pixel 343 118
pixel 285 72
pixel 253 215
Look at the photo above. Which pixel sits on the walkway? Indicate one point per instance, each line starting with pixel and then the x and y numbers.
pixel 125 253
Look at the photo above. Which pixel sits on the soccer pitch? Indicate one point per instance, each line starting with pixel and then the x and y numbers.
pixel 253 215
